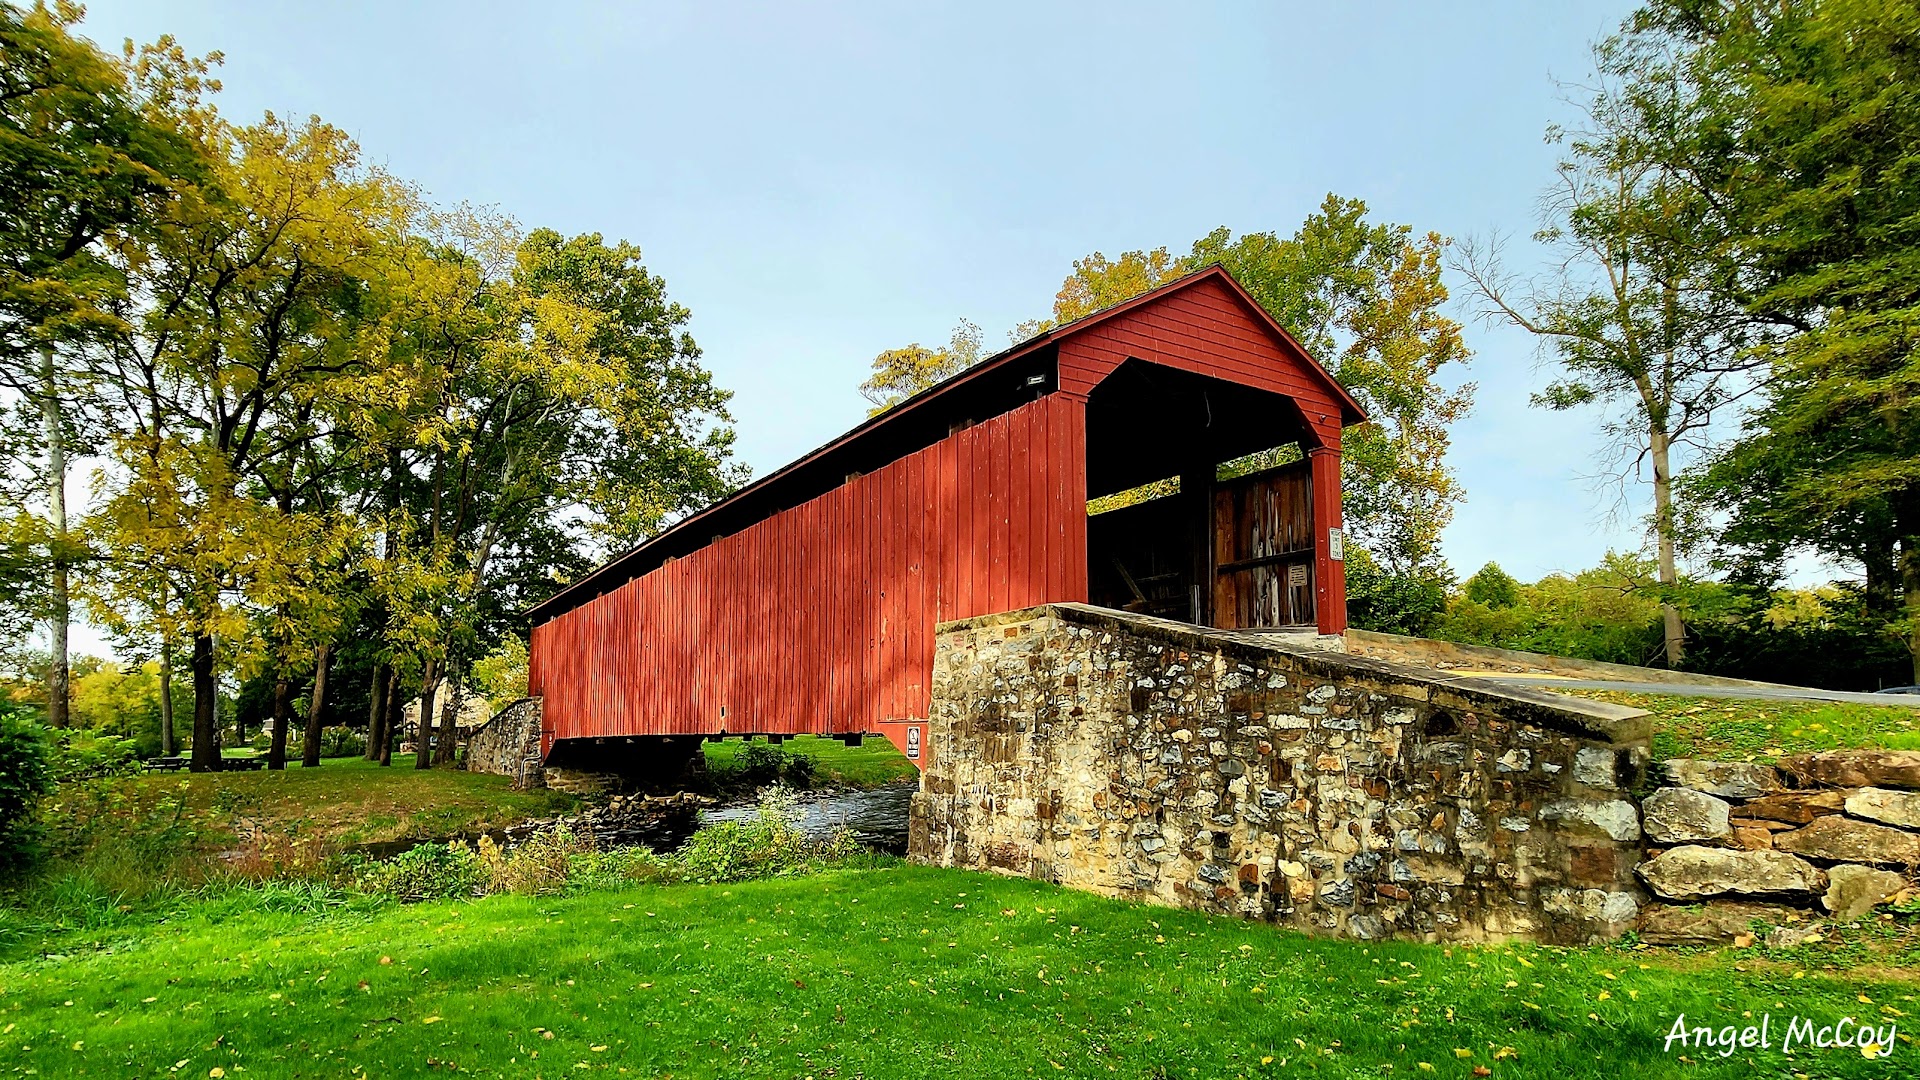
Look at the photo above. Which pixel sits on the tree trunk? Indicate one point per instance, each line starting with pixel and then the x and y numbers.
pixel 60 609
pixel 316 705
pixel 423 740
pixel 377 716
pixel 282 716
pixel 396 713
pixel 1663 525
pixel 206 719
pixel 396 717
pixel 449 722
pixel 166 698
pixel 1881 576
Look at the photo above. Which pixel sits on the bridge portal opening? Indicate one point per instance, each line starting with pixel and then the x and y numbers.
pixel 1200 500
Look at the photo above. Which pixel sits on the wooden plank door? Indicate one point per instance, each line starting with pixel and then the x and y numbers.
pixel 1263 549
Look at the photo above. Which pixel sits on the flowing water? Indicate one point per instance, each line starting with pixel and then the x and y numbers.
pixel 876 816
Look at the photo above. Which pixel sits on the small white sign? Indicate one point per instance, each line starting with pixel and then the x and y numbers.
pixel 1336 545
pixel 913 742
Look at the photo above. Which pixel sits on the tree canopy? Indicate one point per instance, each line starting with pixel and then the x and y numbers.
pixel 328 412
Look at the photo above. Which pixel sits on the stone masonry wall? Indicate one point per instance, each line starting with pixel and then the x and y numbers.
pixel 509 745
pixel 1831 834
pixel 1238 774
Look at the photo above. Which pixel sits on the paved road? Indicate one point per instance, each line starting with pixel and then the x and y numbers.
pixel 1767 693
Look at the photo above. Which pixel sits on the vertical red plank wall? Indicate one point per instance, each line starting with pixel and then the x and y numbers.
pixel 820 618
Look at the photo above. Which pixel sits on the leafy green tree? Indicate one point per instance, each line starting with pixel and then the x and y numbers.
pixel 82 159
pixel 555 407
pixel 1098 283
pixel 1493 587
pixel 241 331
pixel 1797 126
pixel 898 374
pixel 26 775
pixel 1640 312
pixel 501 675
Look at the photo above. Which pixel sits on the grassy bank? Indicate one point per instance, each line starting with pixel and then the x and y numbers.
pixel 136 834
pixel 874 763
pixel 1744 729
pixel 892 972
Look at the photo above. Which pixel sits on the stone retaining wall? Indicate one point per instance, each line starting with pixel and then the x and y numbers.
pixel 1829 834
pixel 1239 774
pixel 509 745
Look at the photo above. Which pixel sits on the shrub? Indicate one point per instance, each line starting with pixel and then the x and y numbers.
pixel 127 838
pixel 427 872
pixel 342 742
pixel 538 866
pixel 760 764
pixel 770 845
pixel 80 755
pixel 26 775
pixel 615 867
pixel 1389 601
pixel 797 771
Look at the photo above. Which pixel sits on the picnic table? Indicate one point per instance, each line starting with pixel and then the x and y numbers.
pixel 232 764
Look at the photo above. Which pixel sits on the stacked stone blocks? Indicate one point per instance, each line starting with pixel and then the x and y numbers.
pixel 1834 833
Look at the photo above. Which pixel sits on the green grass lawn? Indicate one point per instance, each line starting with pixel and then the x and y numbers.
pixel 1741 729
pixel 899 971
pixel 871 764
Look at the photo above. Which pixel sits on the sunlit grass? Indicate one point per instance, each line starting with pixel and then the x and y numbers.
pixel 895 972
pixel 1745 729
pixel 871 764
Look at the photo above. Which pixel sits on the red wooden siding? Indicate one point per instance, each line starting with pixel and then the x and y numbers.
pixel 821 618
pixel 1204 328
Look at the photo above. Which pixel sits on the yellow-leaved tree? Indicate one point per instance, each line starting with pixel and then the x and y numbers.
pixel 898 374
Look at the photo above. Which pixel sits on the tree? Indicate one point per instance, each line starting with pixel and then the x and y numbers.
pixel 557 407
pixel 1098 283
pixel 1641 313
pixel 1800 125
pixel 81 160
pixel 1493 587
pixel 898 374
pixel 242 330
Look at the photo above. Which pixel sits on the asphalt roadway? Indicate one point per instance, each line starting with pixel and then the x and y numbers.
pixel 1710 690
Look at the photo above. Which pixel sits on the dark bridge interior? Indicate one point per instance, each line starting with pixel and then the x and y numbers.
pixel 1229 552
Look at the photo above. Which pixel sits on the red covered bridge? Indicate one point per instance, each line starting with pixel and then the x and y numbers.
pixel 806 602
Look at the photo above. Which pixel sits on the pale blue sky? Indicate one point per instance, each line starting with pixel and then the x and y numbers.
pixel 820 182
